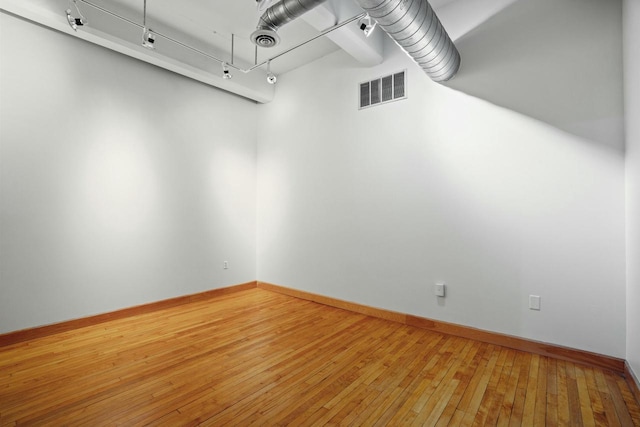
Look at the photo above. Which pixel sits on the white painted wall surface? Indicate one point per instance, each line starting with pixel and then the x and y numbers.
pixel 632 110
pixel 376 206
pixel 537 57
pixel 120 183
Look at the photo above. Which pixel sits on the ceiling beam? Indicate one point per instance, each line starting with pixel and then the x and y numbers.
pixel 366 50
pixel 252 85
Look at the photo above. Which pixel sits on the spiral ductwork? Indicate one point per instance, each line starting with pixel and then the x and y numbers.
pixel 412 24
pixel 417 30
pixel 278 15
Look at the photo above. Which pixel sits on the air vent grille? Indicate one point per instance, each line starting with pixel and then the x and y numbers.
pixel 398 85
pixel 387 89
pixel 375 92
pixel 382 90
pixel 365 98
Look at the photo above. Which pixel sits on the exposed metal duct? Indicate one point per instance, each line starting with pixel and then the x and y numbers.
pixel 276 16
pixel 417 30
pixel 412 24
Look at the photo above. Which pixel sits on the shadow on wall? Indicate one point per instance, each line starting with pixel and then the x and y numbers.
pixel 558 61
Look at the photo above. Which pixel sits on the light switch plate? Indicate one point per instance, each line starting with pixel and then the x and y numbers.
pixel 534 302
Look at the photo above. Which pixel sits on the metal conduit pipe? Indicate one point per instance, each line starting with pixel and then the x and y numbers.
pixel 414 26
pixel 276 16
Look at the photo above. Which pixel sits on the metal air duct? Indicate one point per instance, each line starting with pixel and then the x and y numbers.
pixel 414 26
pixel 276 16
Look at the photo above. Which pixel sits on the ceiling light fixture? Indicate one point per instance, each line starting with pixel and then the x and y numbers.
pixel 225 71
pixel 74 23
pixel 271 78
pixel 367 25
pixel 148 38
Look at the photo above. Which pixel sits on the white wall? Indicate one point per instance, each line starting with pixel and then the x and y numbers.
pixel 546 59
pixel 120 183
pixel 375 206
pixel 632 110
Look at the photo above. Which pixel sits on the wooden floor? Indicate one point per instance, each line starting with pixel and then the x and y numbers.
pixel 257 357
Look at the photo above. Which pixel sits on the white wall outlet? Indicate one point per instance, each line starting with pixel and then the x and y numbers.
pixel 438 289
pixel 225 265
pixel 534 302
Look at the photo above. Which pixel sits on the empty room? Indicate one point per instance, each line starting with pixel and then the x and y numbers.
pixel 320 212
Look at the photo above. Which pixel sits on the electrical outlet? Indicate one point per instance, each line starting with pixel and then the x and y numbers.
pixel 225 265
pixel 438 289
pixel 534 302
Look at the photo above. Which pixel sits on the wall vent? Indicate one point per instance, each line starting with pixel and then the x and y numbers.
pixel 384 89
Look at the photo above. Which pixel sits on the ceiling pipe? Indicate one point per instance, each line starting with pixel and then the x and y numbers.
pixel 276 16
pixel 412 24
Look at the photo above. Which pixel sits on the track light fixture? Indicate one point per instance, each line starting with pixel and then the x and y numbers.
pixel 148 38
pixel 73 21
pixel 271 78
pixel 367 25
pixel 225 71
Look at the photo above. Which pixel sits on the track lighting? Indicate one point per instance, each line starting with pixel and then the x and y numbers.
pixel 271 78
pixel 263 38
pixel 225 71
pixel 367 25
pixel 148 38
pixel 76 22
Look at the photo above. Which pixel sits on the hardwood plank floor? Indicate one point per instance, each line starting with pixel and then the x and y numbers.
pixel 260 358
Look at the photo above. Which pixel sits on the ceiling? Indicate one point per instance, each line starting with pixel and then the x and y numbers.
pixel 530 56
pixel 209 27
pixel 214 21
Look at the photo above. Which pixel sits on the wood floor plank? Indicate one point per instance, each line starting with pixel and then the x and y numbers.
pixel 498 390
pixel 510 391
pixel 564 417
pixel 551 412
pixel 606 399
pixel 541 394
pixel 521 392
pixel 481 388
pixel 586 407
pixel 629 399
pixel 258 357
pixel 596 403
pixel 622 410
pixel 573 395
pixel 531 392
